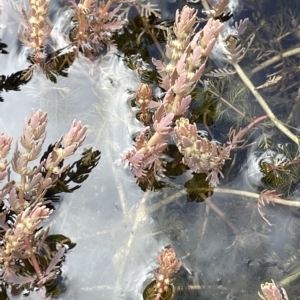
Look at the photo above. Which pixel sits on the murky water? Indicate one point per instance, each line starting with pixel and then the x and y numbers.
pixel 227 248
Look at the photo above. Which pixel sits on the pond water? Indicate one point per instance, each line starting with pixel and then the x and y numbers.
pixel 119 226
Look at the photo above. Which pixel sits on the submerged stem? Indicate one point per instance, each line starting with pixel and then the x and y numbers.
pixel 264 105
pixel 227 103
pixel 252 195
pixel 276 58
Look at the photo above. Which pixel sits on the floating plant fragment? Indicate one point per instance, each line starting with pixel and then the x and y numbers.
pixel 271 292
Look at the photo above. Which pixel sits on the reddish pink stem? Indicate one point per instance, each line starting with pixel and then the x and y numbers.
pixel 105 8
pixel 242 132
pixel 33 258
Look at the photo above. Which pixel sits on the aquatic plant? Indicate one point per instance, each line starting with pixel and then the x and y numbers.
pixel 179 77
pixel 187 55
pixel 172 135
pixel 37 31
pixel 161 288
pixel 144 101
pixel 27 256
pixel 93 26
pixel 271 292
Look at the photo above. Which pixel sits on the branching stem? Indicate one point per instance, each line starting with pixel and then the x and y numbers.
pixel 227 103
pixel 176 101
pixel 276 58
pixel 264 105
pixel 241 193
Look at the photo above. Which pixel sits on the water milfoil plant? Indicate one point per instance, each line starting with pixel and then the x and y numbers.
pixel 187 52
pixel 29 256
pixel 162 287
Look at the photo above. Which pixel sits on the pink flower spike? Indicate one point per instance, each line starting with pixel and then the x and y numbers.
pixel 195 40
pixel 37 118
pixel 38 122
pixel 210 31
pixel 195 59
pixel 5 143
pixel 76 134
pixel 271 292
pixel 184 21
pixel 168 262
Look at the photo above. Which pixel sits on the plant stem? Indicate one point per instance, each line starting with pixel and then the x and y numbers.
pixel 237 138
pixel 227 103
pixel 176 101
pixel 221 214
pixel 148 31
pixel 205 5
pixel 34 261
pixel 290 278
pixel 106 8
pixel 150 143
pixel 21 192
pixel 87 4
pixel 252 195
pixel 140 217
pixel 277 200
pixel 276 58
pixel 264 105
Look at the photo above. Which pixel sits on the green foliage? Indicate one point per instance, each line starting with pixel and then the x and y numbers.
pixel 13 81
pixel 149 293
pixel 78 172
pixel 3 293
pixel 281 170
pixel 58 64
pixel 175 167
pixel 197 188
pixel 58 239
pixel 206 111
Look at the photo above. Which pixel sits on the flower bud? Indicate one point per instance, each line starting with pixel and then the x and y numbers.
pixel 76 134
pixel 38 121
pixel 271 292
pixel 143 95
pixel 209 34
pixel 168 262
pixel 5 142
pixel 184 21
